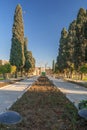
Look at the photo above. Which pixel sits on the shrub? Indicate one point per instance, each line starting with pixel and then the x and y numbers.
pixel 82 104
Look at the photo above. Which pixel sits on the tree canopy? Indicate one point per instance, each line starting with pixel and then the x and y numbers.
pixel 19 54
pixel 17 48
pixel 72 52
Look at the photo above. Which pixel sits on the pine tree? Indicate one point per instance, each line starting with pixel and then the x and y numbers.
pixel 17 48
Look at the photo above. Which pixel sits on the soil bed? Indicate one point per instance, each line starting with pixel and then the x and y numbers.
pixel 2 84
pixel 44 107
pixel 7 82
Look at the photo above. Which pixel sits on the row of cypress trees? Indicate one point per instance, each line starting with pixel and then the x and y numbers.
pixel 72 52
pixel 19 54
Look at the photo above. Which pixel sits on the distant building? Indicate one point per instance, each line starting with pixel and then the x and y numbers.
pixel 2 62
pixel 37 71
pixel 42 69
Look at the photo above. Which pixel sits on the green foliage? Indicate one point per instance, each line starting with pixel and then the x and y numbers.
pixel 79 46
pixel 8 68
pixel 53 66
pixel 19 54
pixel 2 69
pixel 29 60
pixel 83 69
pixel 82 104
pixel 17 48
pixel 16 54
pixel 61 59
pixel 72 53
pixel 5 68
pixel 27 65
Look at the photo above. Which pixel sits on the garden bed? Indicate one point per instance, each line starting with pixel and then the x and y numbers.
pixel 44 107
pixel 10 81
pixel 2 84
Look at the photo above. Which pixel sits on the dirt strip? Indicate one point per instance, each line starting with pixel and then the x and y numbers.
pixel 44 107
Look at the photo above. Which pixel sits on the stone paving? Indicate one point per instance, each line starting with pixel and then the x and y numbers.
pixel 11 93
pixel 73 92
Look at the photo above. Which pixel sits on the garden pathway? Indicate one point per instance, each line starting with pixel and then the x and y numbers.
pixel 11 93
pixel 73 92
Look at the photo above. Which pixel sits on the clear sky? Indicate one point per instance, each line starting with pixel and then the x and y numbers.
pixel 43 22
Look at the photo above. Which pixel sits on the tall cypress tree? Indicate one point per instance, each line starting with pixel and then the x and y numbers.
pixel 61 58
pixel 79 46
pixel 27 65
pixel 31 59
pixel 73 44
pixel 53 65
pixel 70 45
pixel 17 48
pixel 25 47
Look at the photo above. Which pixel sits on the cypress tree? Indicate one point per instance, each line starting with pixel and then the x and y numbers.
pixel 31 59
pixel 85 38
pixel 25 47
pixel 79 46
pixel 61 58
pixel 27 65
pixel 70 44
pixel 73 44
pixel 53 65
pixel 17 48
pixel 29 62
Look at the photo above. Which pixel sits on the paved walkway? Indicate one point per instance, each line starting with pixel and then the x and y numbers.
pixel 11 93
pixel 73 92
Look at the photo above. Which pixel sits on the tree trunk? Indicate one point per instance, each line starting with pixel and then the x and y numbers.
pixel 16 75
pixel 21 72
pixel 82 76
pixel 4 75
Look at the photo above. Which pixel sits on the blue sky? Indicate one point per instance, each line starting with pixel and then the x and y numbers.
pixel 43 22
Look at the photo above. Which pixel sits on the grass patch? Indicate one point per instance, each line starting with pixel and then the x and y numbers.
pixel 44 107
